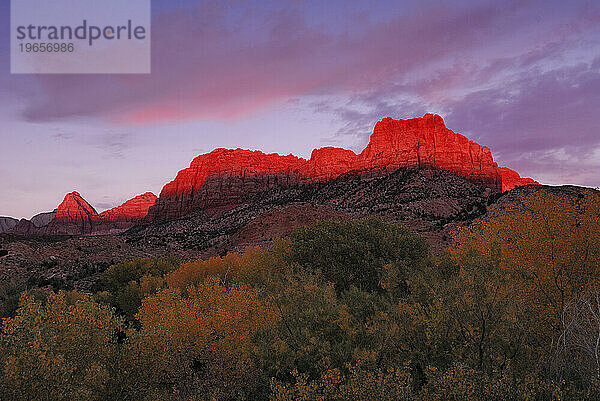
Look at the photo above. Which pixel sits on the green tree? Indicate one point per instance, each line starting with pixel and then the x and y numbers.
pixel 361 253
pixel 125 284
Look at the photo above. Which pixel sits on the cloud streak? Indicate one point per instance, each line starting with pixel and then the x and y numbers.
pixel 204 67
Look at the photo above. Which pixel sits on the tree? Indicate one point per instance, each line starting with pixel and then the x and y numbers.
pixel 358 384
pixel 549 248
pixel 61 350
pixel 552 240
pixel 198 341
pixel 125 284
pixel 317 330
pixel 252 267
pixel 577 350
pixel 357 252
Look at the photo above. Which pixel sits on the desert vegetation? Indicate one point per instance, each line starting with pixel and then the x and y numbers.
pixel 354 310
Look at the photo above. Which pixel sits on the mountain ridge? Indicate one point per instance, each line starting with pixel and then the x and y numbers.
pixel 418 142
pixel 223 178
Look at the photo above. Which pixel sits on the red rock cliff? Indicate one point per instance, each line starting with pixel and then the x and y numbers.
pixel 512 179
pixel 426 141
pixel 132 210
pixel 223 177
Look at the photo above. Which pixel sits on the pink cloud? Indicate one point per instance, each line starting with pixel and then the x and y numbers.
pixel 204 68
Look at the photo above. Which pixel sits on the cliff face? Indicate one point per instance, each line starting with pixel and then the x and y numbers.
pixel 6 223
pixel 43 219
pixel 421 142
pixel 125 216
pixel 223 178
pixel 511 179
pixel 217 178
pixel 219 181
pixel 132 210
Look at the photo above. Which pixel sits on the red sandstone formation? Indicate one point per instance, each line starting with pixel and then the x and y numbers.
pixel 426 141
pixel 75 216
pixel 512 179
pixel 130 211
pixel 221 178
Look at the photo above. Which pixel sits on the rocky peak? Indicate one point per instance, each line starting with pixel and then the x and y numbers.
pixel 43 219
pixel 73 216
pixel 229 162
pixel 74 207
pixel 329 162
pixel 76 216
pixel 132 210
pixel 6 223
pixel 426 141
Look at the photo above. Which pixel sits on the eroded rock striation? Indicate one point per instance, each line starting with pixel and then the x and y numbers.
pixel 223 178
pixel 73 216
pixel 6 223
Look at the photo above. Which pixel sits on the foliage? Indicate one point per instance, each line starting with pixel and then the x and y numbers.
pixel 550 247
pixel 10 292
pixel 360 253
pixel 359 385
pixel 127 283
pixel 63 350
pixel 340 311
pixel 553 241
pixel 251 267
pixel 198 341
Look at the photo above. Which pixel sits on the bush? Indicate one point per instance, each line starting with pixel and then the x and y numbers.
pixel 358 385
pixel 198 341
pixel 10 292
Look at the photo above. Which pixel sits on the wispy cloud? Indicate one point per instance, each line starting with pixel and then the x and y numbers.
pixel 114 145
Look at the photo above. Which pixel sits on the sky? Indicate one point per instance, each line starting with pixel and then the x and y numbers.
pixel 287 76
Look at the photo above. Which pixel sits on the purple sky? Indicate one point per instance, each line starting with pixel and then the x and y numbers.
pixel 520 77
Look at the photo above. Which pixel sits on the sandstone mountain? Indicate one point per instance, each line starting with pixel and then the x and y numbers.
pixel 222 180
pixel 511 179
pixel 43 219
pixel 210 183
pixel 429 200
pixel 131 211
pixel 75 216
pixel 6 223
